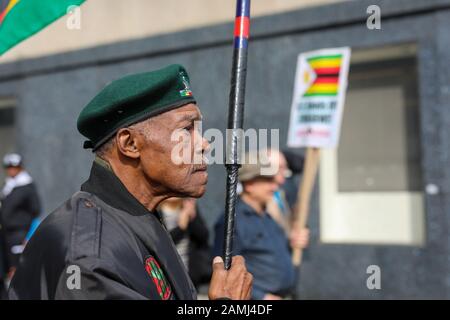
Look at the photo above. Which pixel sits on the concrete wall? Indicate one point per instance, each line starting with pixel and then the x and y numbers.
pixel 52 90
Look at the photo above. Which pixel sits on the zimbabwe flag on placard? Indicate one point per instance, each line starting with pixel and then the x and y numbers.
pixel 326 70
pixel 20 19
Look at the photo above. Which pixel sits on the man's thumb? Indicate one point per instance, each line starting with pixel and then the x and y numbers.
pixel 218 263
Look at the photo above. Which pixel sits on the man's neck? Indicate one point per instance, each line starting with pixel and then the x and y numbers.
pixel 136 184
pixel 253 203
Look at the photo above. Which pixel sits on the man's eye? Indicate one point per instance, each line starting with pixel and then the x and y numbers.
pixel 189 127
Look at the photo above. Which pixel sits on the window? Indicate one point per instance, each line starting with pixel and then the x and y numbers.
pixel 371 185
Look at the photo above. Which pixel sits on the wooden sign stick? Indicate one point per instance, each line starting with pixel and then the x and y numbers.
pixel 304 196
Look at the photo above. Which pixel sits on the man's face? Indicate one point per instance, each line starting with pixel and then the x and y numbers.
pixel 165 173
pixel 280 162
pixel 261 189
pixel 12 171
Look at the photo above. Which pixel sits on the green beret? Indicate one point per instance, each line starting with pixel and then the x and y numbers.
pixel 132 99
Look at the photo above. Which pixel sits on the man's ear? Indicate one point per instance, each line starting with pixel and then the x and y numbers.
pixel 128 143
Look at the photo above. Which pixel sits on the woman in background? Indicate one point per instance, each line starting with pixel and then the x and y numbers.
pixel 190 235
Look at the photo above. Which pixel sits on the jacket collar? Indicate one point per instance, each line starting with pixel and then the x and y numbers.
pixel 107 186
pixel 248 210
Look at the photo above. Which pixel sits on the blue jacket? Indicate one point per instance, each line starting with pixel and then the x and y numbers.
pixel 264 245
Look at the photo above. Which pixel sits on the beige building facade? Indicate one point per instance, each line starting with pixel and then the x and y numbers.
pixel 102 22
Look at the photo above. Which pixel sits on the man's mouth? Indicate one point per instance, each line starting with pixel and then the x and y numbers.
pixel 202 167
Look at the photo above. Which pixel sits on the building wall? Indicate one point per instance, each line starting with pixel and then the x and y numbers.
pixel 52 90
pixel 109 21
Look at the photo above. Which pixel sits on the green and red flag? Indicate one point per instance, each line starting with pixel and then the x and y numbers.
pixel 20 19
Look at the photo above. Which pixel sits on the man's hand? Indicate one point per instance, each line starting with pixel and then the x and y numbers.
pixel 299 238
pixel 234 284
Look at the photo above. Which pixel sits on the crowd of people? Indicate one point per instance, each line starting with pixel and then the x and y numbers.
pixel 134 230
pixel 263 232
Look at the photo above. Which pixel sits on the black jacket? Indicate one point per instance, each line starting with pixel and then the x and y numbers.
pixel 19 208
pixel 3 254
pixel 119 249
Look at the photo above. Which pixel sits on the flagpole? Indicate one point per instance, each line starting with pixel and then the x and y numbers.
pixel 235 121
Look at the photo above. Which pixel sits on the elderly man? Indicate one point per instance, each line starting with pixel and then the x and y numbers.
pixel 107 241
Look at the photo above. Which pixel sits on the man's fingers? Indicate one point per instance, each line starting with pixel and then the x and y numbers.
pixel 237 262
pixel 239 275
pixel 247 294
pixel 235 283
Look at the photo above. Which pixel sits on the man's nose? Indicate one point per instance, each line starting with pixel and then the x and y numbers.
pixel 201 144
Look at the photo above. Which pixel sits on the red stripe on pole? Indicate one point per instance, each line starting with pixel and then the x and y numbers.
pixel 242 27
